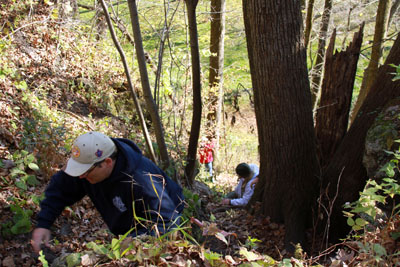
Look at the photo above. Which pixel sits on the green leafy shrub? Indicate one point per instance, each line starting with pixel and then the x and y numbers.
pixel 22 206
pixel 374 226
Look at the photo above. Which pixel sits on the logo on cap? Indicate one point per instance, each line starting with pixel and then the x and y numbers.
pixel 98 153
pixel 75 151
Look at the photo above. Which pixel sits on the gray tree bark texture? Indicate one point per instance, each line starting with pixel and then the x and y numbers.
pixel 288 160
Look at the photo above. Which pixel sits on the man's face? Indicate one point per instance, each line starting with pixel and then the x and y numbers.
pixel 99 173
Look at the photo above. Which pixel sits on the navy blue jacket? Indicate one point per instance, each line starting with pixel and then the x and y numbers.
pixel 137 195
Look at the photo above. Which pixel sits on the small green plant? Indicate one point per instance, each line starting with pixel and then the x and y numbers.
pixel 25 163
pixel 43 260
pixel 193 204
pixel 397 73
pixel 112 251
pixel 20 224
pixel 251 243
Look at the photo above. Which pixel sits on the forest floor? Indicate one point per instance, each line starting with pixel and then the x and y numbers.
pixel 81 224
pixel 32 62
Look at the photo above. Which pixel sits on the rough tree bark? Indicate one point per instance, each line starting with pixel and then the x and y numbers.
pixel 196 87
pixel 317 69
pixel 150 104
pixel 216 70
pixel 382 19
pixel 289 167
pixel 345 176
pixel 332 117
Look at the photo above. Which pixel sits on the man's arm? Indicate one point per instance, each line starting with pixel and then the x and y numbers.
pixel 62 191
pixel 248 192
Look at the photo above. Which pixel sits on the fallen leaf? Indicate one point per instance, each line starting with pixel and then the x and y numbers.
pixel 8 262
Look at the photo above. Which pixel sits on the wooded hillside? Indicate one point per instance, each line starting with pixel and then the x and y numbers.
pixel 292 86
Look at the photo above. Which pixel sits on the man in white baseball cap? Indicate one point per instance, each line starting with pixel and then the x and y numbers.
pixel 87 150
pixel 120 181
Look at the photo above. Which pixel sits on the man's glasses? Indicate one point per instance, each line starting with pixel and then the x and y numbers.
pixel 93 167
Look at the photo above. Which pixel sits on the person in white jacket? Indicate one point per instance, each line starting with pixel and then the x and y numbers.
pixel 248 176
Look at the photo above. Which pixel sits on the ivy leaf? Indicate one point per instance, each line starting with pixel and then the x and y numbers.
pixel 21 184
pixel 73 259
pixel 33 166
pixel 361 222
pixel 395 235
pixel 250 256
pixel 31 180
pixel 350 221
pixel 99 249
pixel 380 250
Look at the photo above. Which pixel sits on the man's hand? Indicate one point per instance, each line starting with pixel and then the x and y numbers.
pixel 253 183
pixel 226 201
pixel 40 235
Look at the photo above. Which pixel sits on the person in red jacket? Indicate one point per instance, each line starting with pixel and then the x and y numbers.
pixel 206 153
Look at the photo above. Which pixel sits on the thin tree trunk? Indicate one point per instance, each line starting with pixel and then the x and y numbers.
pixel 345 176
pixel 332 116
pixel 347 30
pixel 216 70
pixel 307 31
pixel 370 73
pixel 289 168
pixel 158 129
pixel 128 76
pixel 317 70
pixel 393 9
pixel 196 87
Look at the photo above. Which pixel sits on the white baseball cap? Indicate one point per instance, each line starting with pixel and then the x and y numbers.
pixel 88 149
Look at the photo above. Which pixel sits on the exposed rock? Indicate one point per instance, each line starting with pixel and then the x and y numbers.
pixel 201 188
pixel 381 138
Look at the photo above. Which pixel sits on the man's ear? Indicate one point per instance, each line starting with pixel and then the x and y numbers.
pixel 108 161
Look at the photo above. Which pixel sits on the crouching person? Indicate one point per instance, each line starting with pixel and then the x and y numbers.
pixel 248 177
pixel 122 184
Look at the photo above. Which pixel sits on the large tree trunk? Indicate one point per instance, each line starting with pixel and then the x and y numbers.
pixel 196 87
pixel 289 168
pixel 317 69
pixel 370 73
pixel 345 176
pixel 150 104
pixel 332 116
pixel 216 70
